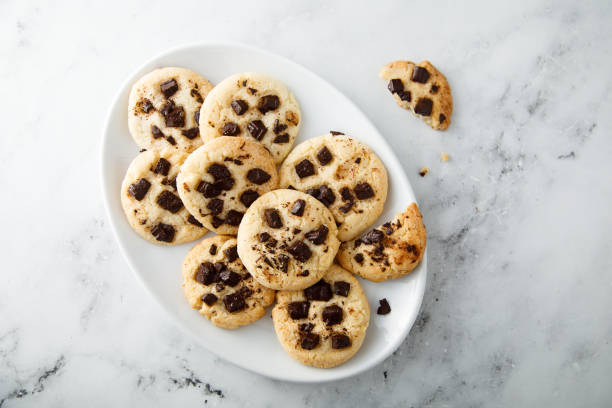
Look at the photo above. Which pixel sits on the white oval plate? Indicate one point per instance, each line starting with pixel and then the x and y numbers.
pixel 255 347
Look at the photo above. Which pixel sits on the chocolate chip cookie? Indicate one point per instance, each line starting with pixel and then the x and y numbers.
pixel 323 325
pixel 217 284
pixel 343 174
pixel 150 200
pixel 287 240
pixel 221 179
pixel 389 251
pixel 164 109
pixel 252 106
pixel 422 89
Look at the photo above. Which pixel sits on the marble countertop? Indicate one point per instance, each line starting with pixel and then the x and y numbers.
pixel 517 310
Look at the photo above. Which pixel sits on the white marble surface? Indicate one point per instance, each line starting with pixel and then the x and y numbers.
pixel 518 308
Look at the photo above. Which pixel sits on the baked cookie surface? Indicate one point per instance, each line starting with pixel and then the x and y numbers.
pixel 218 285
pixel 287 240
pixel 150 200
pixel 221 179
pixel 253 106
pixel 325 324
pixel 390 251
pixel 163 109
pixel 422 89
pixel 342 173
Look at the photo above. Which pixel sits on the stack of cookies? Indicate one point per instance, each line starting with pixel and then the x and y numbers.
pixel 293 225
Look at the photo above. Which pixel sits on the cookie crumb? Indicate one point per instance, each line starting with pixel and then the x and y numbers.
pixel 424 170
pixel 444 157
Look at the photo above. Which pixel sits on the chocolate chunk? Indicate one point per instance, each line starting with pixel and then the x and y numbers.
pixel 290 187
pixel 324 156
pixel 230 278
pixel 326 196
pixel 346 207
pixel 419 74
pixel 264 236
pixel 239 106
pixel 258 176
pixel 209 299
pixel 257 129
pixel 230 129
pixel 313 192
pixel 305 327
pixel 245 292
pixel 268 103
pixel 192 220
pixel 219 287
pixel 225 184
pixel 346 195
pixel 233 218
pixel 434 89
pixel 252 91
pixel 300 251
pixel 191 133
pixel 248 197
pixel 335 133
pixel 332 315
pixel 273 218
pixel 215 206
pixel 205 273
pixel 384 307
pixel 424 107
pixel 319 291
pixel 169 182
pixel 358 258
pixel 196 117
pixel 156 132
pixel 196 95
pixel 388 228
pixel 231 253
pixel 146 106
pixel 304 273
pixel 395 85
pixel 219 172
pixel 173 115
pixel 296 231
pixel 139 189
pixel 342 288
pixel 278 127
pixel 298 310
pixel 162 166
pixel 309 341
pixel 340 341
pixel 167 107
pixel 298 207
pixel 304 168
pixel 363 191
pixel 216 222
pixel 213 249
pixel 283 262
pixel 163 232
pixel 169 87
pixel 208 190
pixel 272 243
pixel 284 138
pixel 234 302
pixel 169 201
pixel 373 237
pixel 405 96
pixel 318 236
pixel 442 118
pixel 219 267
pixel 171 140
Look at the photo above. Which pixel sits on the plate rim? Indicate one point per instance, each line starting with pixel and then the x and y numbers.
pixel 422 273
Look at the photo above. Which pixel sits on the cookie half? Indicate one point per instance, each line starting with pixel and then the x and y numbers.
pixel 252 106
pixel 422 89
pixel 164 107
pixel 287 240
pixel 218 285
pixel 390 251
pixel 342 173
pixel 325 324
pixel 221 179
pixel 150 200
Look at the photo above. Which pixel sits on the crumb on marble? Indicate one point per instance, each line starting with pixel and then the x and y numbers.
pixel 424 170
pixel 444 156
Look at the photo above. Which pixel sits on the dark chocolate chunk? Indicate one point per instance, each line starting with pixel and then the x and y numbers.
pixel 231 253
pixel 215 206
pixel 298 207
pixel 156 132
pixel 346 207
pixel 298 310
pixel 208 190
pixel 283 262
pixel 340 341
pixel 229 278
pixel 213 249
pixel 252 91
pixel 342 288
pixel 225 184
pixel 169 182
pixel 419 74
pixel 284 138
pixel 191 133
pixel 335 133
pixel 192 220
pixel 305 272
pixel 268 103
pixel 384 307
pixel 395 85
pixel 326 195
pixel 358 160
pixel 332 315
pixel 424 107
pixel 363 191
pixel 300 251
pixel 219 267
pixel 324 156
pixel 319 291
pixel 162 166
pixel 196 95
pixel 234 302
pixel 264 236
pixel 216 222
pixel 273 218
pixel 442 118
pixel 171 140
pixel 290 187
pixel 219 172
pixel 169 87
pixel 205 273
pixel 173 115
pixel 145 105
pixel 405 96
pixel 167 108
pixel 272 243
pixel 196 117
pixel 248 197
pixel 309 341
pixel 139 189
pixel 305 327
pixel 258 176
pixel 317 236
pixel 163 232
pixel 169 201
pixel 209 299
pixel 245 292
pixel 278 127
pixel 257 129
pixel 230 129
pixel 304 168
pixel 233 218
pixel 219 287
pixel 358 258
pixel 239 106
pixel 434 89
pixel 346 195
pixel 296 231
pixel 387 228
pixel 373 237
